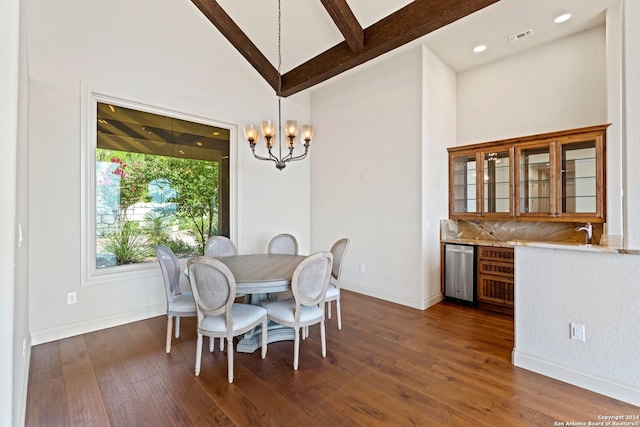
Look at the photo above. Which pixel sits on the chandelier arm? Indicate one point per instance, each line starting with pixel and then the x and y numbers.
pixel 290 157
pixel 271 157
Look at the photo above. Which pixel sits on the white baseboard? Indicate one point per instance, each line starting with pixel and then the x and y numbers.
pixel 72 329
pixel 393 297
pixel 605 386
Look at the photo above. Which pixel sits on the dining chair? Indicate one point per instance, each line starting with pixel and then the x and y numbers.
pixel 219 246
pixel 179 303
pixel 214 289
pixel 338 250
pixel 309 287
pixel 283 244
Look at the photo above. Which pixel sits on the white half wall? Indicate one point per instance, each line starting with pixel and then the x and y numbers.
pixel 598 290
pixel 126 48
pixel 378 159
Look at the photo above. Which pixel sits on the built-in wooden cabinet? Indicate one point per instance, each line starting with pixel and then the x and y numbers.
pixel 558 176
pixel 495 284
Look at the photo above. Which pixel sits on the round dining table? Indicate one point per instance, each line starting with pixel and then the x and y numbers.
pixel 260 275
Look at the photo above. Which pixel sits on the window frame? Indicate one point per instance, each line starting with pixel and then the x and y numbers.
pixel 90 274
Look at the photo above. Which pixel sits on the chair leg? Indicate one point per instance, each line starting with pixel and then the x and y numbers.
pixel 169 326
pixel 264 338
pixel 177 327
pixel 323 338
pixel 198 353
pixel 339 313
pixel 230 358
pixel 296 348
pixel 212 343
pixel 222 344
pixel 328 309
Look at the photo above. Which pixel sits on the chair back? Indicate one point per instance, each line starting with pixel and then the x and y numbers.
pixel 213 287
pixel 170 271
pixel 311 279
pixel 219 246
pixel 338 250
pixel 283 244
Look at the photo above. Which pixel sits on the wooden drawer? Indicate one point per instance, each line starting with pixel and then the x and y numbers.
pixel 495 284
pixel 491 253
pixel 496 290
pixel 505 269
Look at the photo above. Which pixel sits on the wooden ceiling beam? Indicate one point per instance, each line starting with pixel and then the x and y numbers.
pixel 407 24
pixel 346 22
pixel 223 22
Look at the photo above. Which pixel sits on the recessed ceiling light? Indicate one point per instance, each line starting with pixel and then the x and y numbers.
pixel 480 48
pixel 562 18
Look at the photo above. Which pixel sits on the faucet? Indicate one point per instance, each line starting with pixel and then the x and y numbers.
pixel 589 229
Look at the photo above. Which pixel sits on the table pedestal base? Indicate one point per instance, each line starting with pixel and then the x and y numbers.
pixel 252 340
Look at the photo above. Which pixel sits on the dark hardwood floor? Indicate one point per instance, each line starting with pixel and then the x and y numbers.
pixel 389 365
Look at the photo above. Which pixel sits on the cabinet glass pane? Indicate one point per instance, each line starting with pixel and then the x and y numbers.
pixel 579 185
pixel 497 188
pixel 534 181
pixel 464 184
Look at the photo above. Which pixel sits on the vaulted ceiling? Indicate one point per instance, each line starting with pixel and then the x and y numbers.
pixel 324 38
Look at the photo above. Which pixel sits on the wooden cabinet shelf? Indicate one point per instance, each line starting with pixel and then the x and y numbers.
pixel 557 176
pixel 495 285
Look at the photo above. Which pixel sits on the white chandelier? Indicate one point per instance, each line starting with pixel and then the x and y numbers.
pixel 268 126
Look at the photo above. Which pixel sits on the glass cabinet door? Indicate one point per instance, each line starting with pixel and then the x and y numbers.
pixel 580 184
pixel 463 197
pixel 535 181
pixel 496 190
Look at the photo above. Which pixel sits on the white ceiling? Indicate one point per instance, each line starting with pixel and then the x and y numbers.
pixel 307 28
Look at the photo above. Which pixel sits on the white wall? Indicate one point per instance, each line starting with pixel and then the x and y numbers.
pixel 557 287
pixel 561 85
pixel 631 124
pixel 14 304
pixel 126 48
pixel 374 166
pixel 438 133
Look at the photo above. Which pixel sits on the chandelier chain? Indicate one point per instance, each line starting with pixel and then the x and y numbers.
pixel 279 48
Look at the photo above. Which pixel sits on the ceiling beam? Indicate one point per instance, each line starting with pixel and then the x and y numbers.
pixel 346 22
pixel 223 22
pixel 407 24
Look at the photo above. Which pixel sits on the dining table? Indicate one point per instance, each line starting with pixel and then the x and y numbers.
pixel 259 275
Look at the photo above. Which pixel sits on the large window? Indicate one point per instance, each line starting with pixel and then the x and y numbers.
pixel 156 177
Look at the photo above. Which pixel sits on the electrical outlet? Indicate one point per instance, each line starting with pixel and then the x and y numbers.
pixel 72 298
pixel 577 332
pixel 361 268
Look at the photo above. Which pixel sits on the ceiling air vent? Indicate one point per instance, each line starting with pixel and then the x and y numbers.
pixel 521 35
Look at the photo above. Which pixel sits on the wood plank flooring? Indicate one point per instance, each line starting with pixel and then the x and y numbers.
pixel 389 365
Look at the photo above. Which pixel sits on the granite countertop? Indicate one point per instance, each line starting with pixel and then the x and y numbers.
pixel 607 247
pixel 508 234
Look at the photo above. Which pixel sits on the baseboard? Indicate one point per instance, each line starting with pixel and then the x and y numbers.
pixel 605 386
pixel 72 329
pixel 393 297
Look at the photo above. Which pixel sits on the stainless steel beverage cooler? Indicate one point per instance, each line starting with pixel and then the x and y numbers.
pixel 460 273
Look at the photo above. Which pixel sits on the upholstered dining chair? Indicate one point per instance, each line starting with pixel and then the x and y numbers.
pixel 339 249
pixel 179 303
pixel 309 287
pixel 283 244
pixel 219 246
pixel 214 289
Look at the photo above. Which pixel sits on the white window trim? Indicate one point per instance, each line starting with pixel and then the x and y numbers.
pixel 91 95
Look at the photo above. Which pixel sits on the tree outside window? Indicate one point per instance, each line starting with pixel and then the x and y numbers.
pixel 159 180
